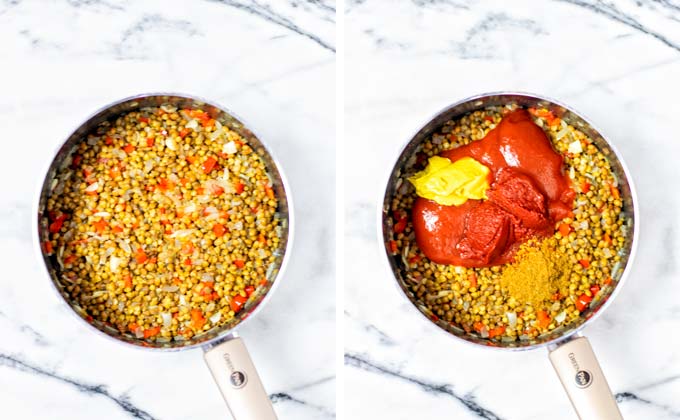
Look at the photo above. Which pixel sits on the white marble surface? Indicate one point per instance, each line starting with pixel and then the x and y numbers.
pixel 618 63
pixel 272 62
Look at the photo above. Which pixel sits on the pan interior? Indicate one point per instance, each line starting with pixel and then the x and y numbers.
pixel 114 111
pixel 400 269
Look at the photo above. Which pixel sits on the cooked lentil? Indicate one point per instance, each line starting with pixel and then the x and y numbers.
pixel 590 242
pixel 163 223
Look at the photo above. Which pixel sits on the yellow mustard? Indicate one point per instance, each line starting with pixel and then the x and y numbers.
pixel 452 183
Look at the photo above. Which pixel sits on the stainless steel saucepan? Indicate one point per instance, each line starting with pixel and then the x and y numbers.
pixel 570 352
pixel 224 352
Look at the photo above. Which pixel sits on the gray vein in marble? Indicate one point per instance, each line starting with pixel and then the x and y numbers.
pixel 265 12
pixel 312 384
pixel 147 23
pixel 285 397
pixel 610 11
pixel 295 71
pixel 123 401
pixel 468 401
pixel 90 3
pixel 37 337
pixel 325 10
pixel 629 396
pixel 475 45
pixel 371 329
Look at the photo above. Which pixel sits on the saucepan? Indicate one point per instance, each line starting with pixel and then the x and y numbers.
pixel 224 351
pixel 569 351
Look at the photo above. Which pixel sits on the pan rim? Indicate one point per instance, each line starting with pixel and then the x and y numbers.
pixel 569 334
pixel 37 246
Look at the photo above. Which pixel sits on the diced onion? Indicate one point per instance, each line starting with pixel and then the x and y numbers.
pixel 167 319
pixel 102 214
pixel 229 148
pixel 171 289
pixel 512 319
pixel 168 108
pixel 193 124
pixel 114 263
pixel 92 187
pixel 182 233
pixel 216 318
pixel 575 147
pixel 560 317
pixel 207 277
pixel 170 143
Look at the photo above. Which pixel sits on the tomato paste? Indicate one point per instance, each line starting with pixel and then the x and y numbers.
pixel 528 194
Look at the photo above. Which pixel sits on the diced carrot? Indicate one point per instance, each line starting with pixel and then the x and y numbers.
pixel 140 256
pixel 144 120
pixel 585 187
pixel 269 191
pixel 209 164
pixel 48 247
pixel 127 280
pixel 219 229
pixel 608 239
pixel 564 229
pixel 608 281
pixel 249 290
pixel 99 226
pixel 472 278
pixel 151 332
pixel 239 187
pixel 133 326
pixel 263 282
pixel 393 246
pixel 262 239
pixel 615 192
pixel 187 262
pixel 197 319
pixel 150 141
pixel 583 301
pixel 585 263
pixel 594 289
pixel 70 259
pixel 164 184
pixel 108 141
pixel 57 223
pixel 400 226
pixel 414 259
pixel 542 319
pixel 75 161
pixel 237 302
pixel 183 133
pixel 183 181
pixel 187 248
pixel 117 229
pixel 494 332
pixel 239 263
pixel 557 296
pixel 488 118
pixel 478 326
pixel 176 281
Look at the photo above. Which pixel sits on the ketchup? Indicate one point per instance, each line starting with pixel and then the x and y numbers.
pixel 528 194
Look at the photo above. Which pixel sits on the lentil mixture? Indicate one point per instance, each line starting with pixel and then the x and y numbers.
pixel 163 223
pixel 571 268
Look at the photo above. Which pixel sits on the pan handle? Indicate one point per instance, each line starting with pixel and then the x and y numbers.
pixel 235 374
pixel 582 378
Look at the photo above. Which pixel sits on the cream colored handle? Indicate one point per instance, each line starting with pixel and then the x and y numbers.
pixel 582 378
pixel 235 374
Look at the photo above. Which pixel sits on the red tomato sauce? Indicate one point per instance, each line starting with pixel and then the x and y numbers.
pixel 528 194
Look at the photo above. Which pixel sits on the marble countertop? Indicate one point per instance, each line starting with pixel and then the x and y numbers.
pixel 272 63
pixel 618 63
